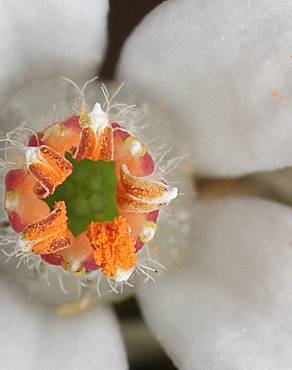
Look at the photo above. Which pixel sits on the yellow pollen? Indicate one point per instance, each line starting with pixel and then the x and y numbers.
pixel 84 120
pixel 56 130
pixel 80 273
pixel 78 307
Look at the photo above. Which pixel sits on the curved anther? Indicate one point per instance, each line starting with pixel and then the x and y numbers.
pixel 136 194
pixel 96 138
pixel 49 168
pixel 48 235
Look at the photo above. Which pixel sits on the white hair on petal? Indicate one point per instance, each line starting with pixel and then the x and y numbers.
pixel 131 118
pixel 22 134
pixel 15 144
pixel 60 279
pixel 147 265
pixel 127 115
pixel 108 99
pixel 27 259
pixel 80 99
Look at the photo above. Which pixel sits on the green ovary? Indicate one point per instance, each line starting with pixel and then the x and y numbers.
pixel 89 194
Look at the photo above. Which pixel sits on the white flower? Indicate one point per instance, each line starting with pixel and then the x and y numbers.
pixel 222 71
pixel 40 39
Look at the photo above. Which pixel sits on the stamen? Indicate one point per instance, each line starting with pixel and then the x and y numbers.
pixel 87 140
pixel 106 250
pixel 57 162
pixel 106 145
pixel 130 204
pixel 48 235
pixel 145 189
pixel 49 168
pixel 135 194
pixel 113 246
pixel 96 138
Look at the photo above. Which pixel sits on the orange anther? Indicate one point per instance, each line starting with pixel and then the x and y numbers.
pixel 141 188
pixel 96 138
pixel 95 146
pixel 136 194
pixel 50 245
pixel 50 234
pixel 105 145
pixel 50 169
pixel 87 144
pixel 113 246
pixel 56 161
pixel 130 204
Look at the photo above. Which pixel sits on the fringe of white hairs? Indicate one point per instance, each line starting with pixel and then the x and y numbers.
pixel 128 116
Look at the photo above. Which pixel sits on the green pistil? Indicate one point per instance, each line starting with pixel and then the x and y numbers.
pixel 89 194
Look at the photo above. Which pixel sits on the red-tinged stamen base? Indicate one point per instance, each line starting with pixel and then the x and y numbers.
pixel 22 205
pixel 79 255
pixel 108 242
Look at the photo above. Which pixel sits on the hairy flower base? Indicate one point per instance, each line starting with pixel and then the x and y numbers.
pixel 109 247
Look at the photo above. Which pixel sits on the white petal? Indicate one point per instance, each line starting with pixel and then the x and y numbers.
pixel 228 304
pixel 223 70
pixel 32 337
pixel 50 38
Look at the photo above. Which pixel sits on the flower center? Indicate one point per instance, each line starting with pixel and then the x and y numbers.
pixel 89 193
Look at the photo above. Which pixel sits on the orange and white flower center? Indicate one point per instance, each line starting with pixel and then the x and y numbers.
pixel 106 245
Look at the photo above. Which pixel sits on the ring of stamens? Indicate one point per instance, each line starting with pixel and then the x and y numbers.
pixel 108 245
